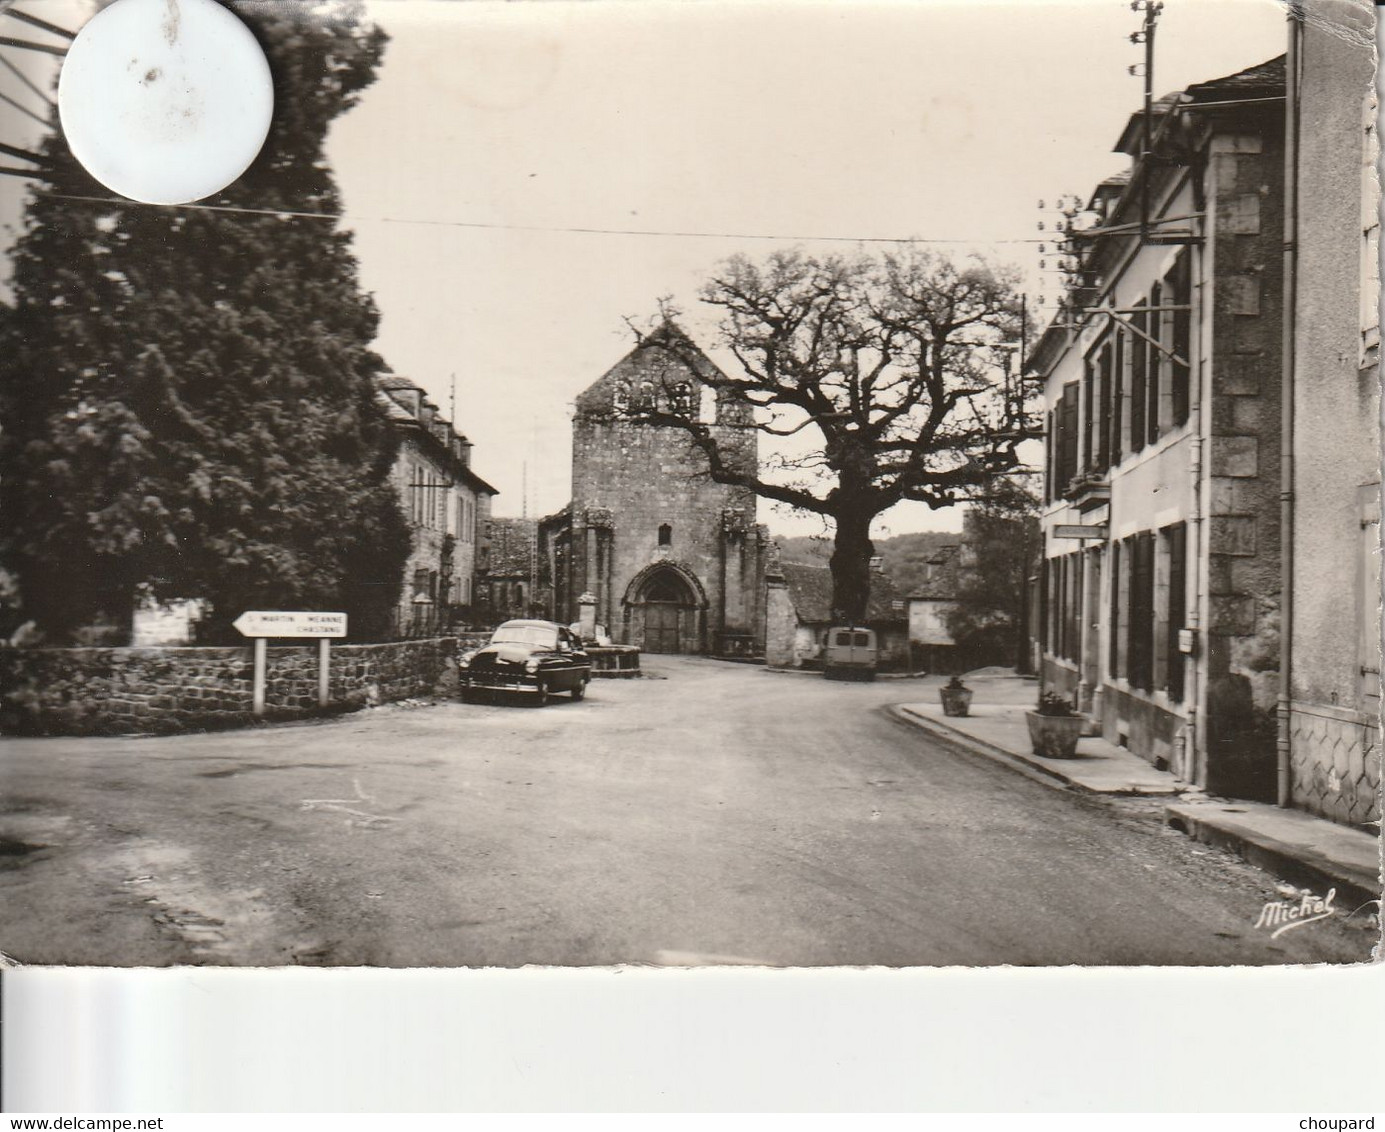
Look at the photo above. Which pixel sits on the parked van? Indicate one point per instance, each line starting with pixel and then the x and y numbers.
pixel 851 653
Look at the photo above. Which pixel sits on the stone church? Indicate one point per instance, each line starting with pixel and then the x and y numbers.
pixel 675 562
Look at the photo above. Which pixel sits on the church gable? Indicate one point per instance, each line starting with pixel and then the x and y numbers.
pixel 665 370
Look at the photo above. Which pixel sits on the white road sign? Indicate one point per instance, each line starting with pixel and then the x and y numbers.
pixel 280 623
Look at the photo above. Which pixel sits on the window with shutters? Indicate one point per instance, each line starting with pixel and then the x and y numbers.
pixel 1140 649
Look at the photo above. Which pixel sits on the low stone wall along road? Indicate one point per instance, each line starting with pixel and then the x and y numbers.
pixel 716 813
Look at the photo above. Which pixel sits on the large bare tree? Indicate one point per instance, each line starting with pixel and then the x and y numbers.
pixel 883 379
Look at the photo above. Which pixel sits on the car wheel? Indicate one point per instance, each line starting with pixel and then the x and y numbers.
pixel 579 690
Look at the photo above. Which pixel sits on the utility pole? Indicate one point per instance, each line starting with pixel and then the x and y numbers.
pixel 1145 35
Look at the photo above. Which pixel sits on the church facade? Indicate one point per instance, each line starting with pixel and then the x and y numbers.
pixel 676 563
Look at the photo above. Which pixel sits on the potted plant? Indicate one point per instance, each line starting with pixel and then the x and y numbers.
pixel 956 697
pixel 1054 727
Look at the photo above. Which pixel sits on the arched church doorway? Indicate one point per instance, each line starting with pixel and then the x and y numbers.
pixel 667 608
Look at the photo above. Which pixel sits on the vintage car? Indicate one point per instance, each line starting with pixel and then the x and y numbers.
pixel 534 657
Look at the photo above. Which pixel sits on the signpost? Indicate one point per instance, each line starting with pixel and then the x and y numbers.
pixel 1064 530
pixel 264 623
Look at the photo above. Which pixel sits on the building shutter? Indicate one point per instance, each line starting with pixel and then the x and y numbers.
pixel 1138 379
pixel 1178 609
pixel 1104 429
pixel 1178 292
pixel 1154 369
pixel 1067 470
pixel 1142 611
pixel 1117 623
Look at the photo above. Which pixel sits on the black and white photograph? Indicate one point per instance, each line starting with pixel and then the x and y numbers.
pixel 682 485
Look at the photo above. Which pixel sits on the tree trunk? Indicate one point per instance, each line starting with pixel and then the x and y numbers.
pixel 851 555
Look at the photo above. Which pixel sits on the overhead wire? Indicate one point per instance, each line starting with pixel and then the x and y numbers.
pixel 576 230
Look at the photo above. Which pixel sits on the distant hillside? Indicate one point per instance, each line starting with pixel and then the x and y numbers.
pixel 905 556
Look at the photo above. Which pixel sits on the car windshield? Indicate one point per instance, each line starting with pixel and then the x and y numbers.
pixel 536 636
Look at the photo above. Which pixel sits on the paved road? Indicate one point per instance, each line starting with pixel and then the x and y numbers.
pixel 720 813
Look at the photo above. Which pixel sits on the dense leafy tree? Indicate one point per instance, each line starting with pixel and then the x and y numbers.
pixel 188 393
pixel 886 376
pixel 1000 552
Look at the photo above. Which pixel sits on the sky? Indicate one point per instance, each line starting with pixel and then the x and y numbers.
pixel 714 125
pixel 524 177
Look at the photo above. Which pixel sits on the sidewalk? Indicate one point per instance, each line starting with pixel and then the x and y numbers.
pixel 1296 846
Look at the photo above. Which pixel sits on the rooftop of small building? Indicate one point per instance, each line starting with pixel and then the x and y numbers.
pixel 513 543
pixel 387 385
pixel 1262 81
pixel 810 589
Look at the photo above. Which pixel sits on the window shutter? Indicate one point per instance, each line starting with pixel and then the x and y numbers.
pixel 1154 374
pixel 1179 292
pixel 1138 383
pixel 1178 609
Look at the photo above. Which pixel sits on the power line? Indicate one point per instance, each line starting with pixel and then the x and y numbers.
pixel 587 231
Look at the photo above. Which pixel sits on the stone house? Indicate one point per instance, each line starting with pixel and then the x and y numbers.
pixel 1161 585
pixel 1329 739
pixel 809 593
pixel 928 603
pixel 507 578
pixel 447 504
pixel 675 562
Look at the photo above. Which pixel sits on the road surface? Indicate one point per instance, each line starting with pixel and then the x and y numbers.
pixel 716 813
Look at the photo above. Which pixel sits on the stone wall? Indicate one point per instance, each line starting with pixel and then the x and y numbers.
pixel 115 691
pixel 781 626
pixel 1241 531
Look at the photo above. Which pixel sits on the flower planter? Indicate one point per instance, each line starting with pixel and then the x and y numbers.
pixel 956 701
pixel 1054 736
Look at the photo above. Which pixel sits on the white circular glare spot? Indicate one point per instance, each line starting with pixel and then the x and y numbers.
pixel 165 101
